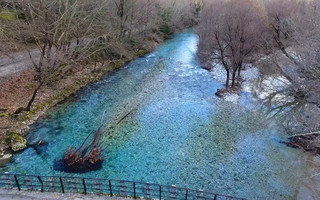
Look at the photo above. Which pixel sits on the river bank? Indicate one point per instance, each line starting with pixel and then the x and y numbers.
pixel 277 97
pixel 17 90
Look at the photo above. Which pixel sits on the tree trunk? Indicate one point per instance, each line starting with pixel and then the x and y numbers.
pixel 121 15
pixel 28 108
pixel 239 75
pixel 233 85
pixel 228 79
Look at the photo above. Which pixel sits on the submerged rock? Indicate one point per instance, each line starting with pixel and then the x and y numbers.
pixel 39 146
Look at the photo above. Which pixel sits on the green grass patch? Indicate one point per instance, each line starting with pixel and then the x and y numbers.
pixel 7 15
pixel 4 115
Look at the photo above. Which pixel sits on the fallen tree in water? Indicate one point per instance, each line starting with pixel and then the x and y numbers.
pixel 88 157
pixel 308 142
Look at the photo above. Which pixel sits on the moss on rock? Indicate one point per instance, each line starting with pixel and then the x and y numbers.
pixel 16 141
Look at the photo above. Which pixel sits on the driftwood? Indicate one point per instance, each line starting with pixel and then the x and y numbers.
pixel 305 134
pixel 308 142
pixel 125 116
pixel 87 157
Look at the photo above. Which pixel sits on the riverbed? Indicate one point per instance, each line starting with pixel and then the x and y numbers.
pixel 176 131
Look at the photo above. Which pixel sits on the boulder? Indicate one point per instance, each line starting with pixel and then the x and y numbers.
pixel 5 159
pixel 18 142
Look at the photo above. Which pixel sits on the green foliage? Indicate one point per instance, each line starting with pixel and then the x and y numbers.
pixel 166 26
pixel 15 135
pixel 29 86
pixel 4 115
pixel 7 15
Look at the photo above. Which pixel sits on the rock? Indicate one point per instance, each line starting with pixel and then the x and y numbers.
pixel 39 146
pixel 5 159
pixel 18 143
pixel 24 130
pixel 220 92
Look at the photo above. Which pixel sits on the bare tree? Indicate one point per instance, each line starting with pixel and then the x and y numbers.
pixel 295 32
pixel 69 31
pixel 61 30
pixel 229 35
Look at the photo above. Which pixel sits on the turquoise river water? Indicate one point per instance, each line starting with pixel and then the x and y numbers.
pixel 177 131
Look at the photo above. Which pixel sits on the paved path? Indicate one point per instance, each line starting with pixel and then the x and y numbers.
pixel 26 195
pixel 17 62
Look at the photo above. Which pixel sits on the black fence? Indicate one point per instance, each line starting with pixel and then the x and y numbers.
pixel 104 186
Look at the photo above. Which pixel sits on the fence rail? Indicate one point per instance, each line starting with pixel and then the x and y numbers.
pixel 105 186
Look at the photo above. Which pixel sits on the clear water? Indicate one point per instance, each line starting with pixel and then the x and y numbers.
pixel 177 131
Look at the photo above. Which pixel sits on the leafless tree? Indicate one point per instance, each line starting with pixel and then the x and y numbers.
pixel 229 35
pixel 295 31
pixel 67 32
pixel 60 30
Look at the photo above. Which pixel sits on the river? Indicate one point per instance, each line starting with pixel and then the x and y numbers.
pixel 177 133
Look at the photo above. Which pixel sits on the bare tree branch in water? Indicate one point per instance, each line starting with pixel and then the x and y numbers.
pixel 295 31
pixel 305 134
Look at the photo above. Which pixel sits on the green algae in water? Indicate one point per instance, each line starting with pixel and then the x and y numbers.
pixel 178 132
pixel 219 137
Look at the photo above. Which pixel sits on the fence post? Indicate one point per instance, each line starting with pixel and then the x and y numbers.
pixel 134 190
pixel 84 186
pixel 110 188
pixel 159 192
pixel 40 183
pixel 187 194
pixel 215 197
pixel 17 182
pixel 61 183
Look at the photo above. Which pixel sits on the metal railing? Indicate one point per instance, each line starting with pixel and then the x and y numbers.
pixel 105 186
